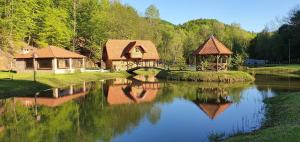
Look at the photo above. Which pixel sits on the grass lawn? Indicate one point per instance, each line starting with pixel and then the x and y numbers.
pixel 147 72
pixel 282 123
pixel 23 83
pixel 222 76
pixel 292 71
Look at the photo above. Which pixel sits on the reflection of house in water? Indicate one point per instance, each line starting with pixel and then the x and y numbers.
pixel 212 101
pixel 125 91
pixel 56 97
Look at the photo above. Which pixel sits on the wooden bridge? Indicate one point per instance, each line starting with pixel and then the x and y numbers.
pixel 131 70
pixel 143 65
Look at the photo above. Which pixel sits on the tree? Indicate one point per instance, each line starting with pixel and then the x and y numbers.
pixel 55 30
pixel 152 12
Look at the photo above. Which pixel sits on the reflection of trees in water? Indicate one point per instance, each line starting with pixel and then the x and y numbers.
pixel 86 119
pixel 278 84
pixel 91 118
pixel 192 91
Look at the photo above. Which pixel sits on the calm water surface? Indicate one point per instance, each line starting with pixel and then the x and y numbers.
pixel 139 109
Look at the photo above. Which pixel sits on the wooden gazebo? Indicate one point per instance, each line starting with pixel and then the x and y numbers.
pixel 212 55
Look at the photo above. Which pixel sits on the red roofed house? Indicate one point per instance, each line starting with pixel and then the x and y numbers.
pixel 126 54
pixel 50 59
pixel 214 51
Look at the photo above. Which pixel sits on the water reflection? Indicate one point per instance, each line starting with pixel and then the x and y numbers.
pixel 212 101
pixel 136 109
pixel 135 90
pixel 56 96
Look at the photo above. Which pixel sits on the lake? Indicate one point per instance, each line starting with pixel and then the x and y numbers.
pixel 137 109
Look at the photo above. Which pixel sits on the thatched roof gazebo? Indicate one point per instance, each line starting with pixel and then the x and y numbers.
pixel 212 55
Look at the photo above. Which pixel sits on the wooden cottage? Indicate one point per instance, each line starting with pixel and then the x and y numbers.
pixel 212 55
pixel 127 54
pixel 51 60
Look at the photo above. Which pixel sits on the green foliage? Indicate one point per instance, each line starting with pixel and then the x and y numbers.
pixel 275 45
pixel 282 122
pixel 226 76
pixel 231 36
pixel 152 12
pixel 281 71
pixel 55 31
pixel 181 64
pixel 52 22
pixel 204 65
pixel 238 61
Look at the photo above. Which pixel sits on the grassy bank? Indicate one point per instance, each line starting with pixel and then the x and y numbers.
pixel 224 76
pixel 282 123
pixel 23 83
pixel 147 72
pixel 292 71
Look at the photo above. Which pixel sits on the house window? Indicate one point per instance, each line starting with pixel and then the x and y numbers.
pixel 77 63
pixel 28 64
pixel 44 64
pixel 63 63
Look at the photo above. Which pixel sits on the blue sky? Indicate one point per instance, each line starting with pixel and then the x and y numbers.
pixel 252 15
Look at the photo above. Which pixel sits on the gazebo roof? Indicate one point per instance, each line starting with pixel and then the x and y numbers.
pixel 212 47
pixel 213 110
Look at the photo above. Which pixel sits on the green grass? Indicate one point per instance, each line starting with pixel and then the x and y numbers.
pixel 223 76
pixel 292 71
pixel 23 83
pixel 282 123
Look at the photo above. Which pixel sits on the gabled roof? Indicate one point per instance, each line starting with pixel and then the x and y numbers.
pixel 117 49
pixel 132 45
pixel 50 52
pixel 120 94
pixel 212 47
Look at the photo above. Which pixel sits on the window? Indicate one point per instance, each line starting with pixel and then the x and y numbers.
pixel 63 63
pixel 77 63
pixel 28 64
pixel 44 64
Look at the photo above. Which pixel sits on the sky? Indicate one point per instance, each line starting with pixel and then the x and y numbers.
pixel 252 15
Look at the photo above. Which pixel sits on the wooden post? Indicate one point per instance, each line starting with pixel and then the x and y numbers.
pixel 221 62
pixel 218 62
pixel 226 59
pixel 202 67
pixel 196 62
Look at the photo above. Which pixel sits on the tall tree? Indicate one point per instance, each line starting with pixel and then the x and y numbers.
pixel 152 12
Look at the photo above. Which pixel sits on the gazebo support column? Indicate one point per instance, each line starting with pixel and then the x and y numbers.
pixel 196 62
pixel 217 68
pixel 226 61
pixel 222 64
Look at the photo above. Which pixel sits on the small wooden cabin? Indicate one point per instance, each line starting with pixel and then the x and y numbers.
pixel 127 54
pixel 51 60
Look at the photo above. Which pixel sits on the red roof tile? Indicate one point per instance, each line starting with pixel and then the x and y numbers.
pixel 50 52
pixel 212 47
pixel 116 49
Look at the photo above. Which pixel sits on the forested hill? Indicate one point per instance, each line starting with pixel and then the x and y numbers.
pixel 85 25
pixel 233 36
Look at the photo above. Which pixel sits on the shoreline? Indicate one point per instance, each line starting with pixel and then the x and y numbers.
pixel 222 76
pixel 23 83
